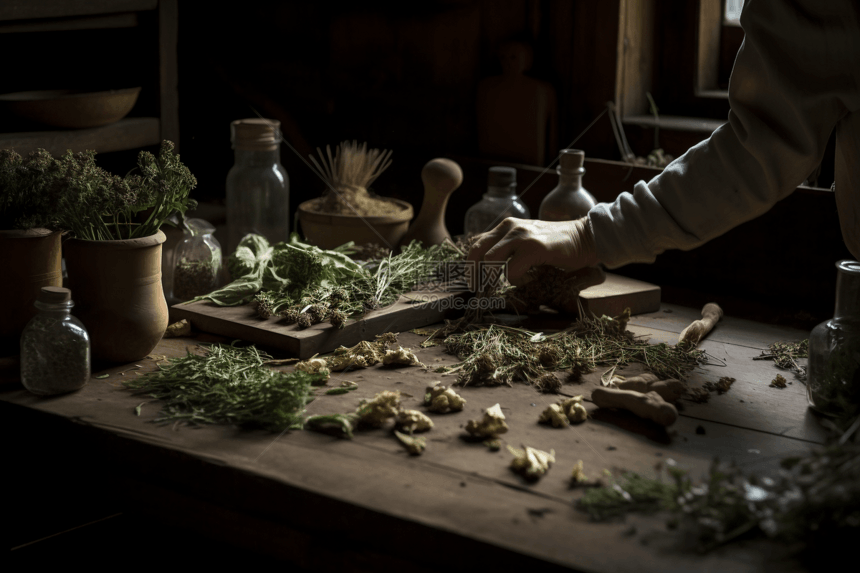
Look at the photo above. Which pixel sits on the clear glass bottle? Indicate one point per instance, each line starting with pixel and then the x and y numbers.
pixel 500 201
pixel 569 200
pixel 258 188
pixel 55 346
pixel 197 266
pixel 833 376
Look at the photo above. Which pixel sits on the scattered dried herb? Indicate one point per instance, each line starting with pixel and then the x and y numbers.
pixel 498 354
pixel 721 386
pixel 228 384
pixel 778 382
pixel 785 355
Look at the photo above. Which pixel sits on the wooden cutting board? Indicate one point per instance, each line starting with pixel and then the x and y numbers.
pixel 242 322
pixel 618 293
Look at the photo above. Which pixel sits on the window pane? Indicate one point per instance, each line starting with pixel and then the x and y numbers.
pixel 732 14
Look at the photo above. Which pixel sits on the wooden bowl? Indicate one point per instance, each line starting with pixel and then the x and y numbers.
pixel 328 231
pixel 71 108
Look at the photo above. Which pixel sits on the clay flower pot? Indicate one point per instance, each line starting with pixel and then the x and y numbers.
pixel 30 260
pixel 328 231
pixel 116 286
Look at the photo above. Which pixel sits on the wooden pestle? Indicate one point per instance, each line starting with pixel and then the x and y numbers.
pixel 441 177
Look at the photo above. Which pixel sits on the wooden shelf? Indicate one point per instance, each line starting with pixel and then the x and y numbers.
pixel 128 133
pixel 104 21
pixel 30 9
pixel 675 123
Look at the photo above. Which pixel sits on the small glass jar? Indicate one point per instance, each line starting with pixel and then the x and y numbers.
pixel 569 200
pixel 55 346
pixel 499 202
pixel 833 376
pixel 258 188
pixel 197 261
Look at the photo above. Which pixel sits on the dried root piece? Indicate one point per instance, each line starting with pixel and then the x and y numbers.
pixel 578 476
pixel 649 406
pixel 441 399
pixel 693 334
pixel 383 406
pixel 401 356
pixel 413 421
pixel 177 329
pixel 531 463
pixel 490 426
pixel 555 415
pixel 315 366
pixel 670 390
pixel 574 410
pixel 415 445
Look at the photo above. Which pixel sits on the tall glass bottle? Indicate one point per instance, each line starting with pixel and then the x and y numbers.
pixel 258 188
pixel 833 377
pixel 569 200
pixel 500 201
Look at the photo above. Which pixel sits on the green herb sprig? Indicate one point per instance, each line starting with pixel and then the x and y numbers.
pixel 228 385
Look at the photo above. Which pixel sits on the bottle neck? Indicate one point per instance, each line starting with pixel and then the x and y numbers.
pixel 256 157
pixel 847 296
pixel 61 309
pixel 570 177
pixel 509 192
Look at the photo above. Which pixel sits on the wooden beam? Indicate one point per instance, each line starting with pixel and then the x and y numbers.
pixel 635 56
pixel 168 91
pixel 708 40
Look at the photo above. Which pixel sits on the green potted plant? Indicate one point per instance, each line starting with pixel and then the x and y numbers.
pixel 114 258
pixel 29 238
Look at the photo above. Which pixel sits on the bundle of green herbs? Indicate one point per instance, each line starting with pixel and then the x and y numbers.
pixel 228 384
pixel 498 354
pixel 304 284
pixel 74 194
pixel 815 500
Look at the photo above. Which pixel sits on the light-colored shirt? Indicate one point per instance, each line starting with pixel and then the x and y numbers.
pixel 796 78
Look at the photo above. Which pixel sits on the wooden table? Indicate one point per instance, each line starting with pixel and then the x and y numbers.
pixel 324 503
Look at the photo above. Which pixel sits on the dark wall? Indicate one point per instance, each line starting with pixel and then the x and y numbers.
pixel 399 75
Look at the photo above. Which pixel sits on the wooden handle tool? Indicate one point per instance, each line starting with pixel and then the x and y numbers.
pixel 441 177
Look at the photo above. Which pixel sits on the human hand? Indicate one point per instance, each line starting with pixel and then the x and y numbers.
pixel 527 243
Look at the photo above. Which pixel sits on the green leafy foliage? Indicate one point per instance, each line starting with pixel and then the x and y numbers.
pixel 27 189
pixel 307 285
pixel 228 385
pixel 73 193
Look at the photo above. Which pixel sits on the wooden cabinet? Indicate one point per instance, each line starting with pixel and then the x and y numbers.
pixel 156 20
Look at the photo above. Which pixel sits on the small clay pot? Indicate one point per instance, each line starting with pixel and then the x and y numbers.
pixel 30 260
pixel 328 231
pixel 116 286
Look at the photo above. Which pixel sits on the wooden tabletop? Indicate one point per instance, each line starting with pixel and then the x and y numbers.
pixel 319 501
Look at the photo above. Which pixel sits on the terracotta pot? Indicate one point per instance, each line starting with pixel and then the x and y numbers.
pixel 328 231
pixel 116 286
pixel 29 261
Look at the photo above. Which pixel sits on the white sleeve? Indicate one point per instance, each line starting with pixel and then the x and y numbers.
pixel 797 73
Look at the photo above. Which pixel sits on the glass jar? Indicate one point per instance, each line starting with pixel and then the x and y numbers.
pixel 500 201
pixel 569 200
pixel 197 261
pixel 258 188
pixel 833 377
pixel 55 346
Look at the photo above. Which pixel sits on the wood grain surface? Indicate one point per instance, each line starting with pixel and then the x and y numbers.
pixel 284 495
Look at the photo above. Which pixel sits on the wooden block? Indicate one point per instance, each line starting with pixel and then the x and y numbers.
pixel 618 293
pixel 242 322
